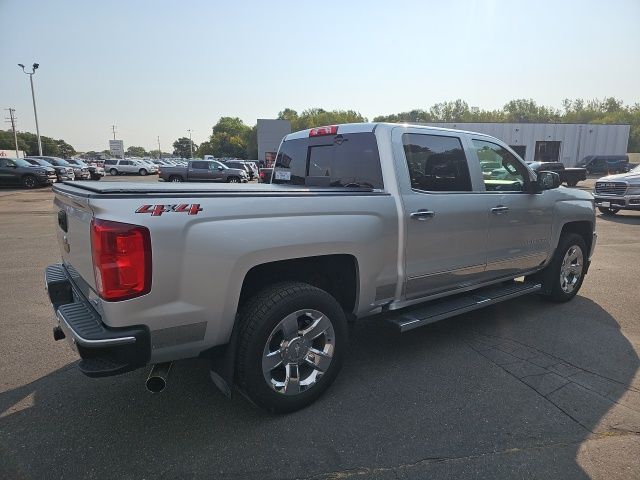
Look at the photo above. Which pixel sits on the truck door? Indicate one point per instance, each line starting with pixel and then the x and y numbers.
pixel 519 221
pixel 199 171
pixel 445 224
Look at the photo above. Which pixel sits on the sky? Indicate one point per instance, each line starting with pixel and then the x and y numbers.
pixel 158 68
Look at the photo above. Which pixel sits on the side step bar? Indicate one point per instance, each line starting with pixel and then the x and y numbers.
pixel 455 305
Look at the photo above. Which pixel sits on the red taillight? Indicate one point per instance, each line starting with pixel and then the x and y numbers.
pixel 261 174
pixel 320 131
pixel 121 259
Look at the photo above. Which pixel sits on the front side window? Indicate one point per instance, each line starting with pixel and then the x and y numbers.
pixel 501 170
pixel 4 162
pixel 436 163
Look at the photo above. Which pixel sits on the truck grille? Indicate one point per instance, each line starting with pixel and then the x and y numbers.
pixel 611 188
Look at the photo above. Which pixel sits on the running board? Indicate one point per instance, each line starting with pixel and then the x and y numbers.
pixel 462 303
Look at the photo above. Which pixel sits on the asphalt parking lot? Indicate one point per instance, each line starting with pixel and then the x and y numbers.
pixel 523 389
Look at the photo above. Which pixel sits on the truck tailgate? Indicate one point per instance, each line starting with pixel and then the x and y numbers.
pixel 73 231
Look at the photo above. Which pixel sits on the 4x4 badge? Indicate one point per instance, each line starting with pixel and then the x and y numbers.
pixel 157 210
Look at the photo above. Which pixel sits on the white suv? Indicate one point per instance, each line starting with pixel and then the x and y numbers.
pixel 119 167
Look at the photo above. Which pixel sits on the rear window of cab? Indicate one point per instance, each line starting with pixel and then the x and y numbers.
pixel 349 160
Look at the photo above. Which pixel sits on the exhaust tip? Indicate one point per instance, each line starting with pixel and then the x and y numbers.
pixel 156 384
pixel 157 379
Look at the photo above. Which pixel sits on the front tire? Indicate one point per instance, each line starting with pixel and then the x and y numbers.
pixel 29 181
pixel 610 212
pixel 113 172
pixel 563 277
pixel 233 180
pixel 292 343
pixel 175 179
pixel 142 172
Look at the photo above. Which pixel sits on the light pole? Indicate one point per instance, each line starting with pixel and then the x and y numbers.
pixel 190 143
pixel 33 97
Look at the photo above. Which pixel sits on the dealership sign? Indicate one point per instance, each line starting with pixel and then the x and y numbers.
pixel 116 148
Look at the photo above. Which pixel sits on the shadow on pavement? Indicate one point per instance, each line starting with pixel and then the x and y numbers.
pixel 508 391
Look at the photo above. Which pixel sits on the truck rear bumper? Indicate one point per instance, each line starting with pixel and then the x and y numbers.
pixel 104 351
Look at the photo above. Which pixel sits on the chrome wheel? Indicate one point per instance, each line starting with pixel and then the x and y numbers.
pixel 298 352
pixel 234 180
pixel 571 268
pixel 29 181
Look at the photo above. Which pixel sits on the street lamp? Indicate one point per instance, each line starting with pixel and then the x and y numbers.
pixel 190 143
pixel 33 97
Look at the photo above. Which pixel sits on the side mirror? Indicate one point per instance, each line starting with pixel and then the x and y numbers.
pixel 547 181
pixel 220 169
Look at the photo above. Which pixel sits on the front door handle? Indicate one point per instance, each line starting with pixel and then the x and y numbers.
pixel 499 210
pixel 423 214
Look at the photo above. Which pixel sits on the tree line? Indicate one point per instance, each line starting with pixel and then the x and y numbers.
pixel 28 142
pixel 231 137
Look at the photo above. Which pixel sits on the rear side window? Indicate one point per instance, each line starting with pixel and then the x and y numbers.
pixel 349 160
pixel 200 165
pixel 436 163
pixel 110 162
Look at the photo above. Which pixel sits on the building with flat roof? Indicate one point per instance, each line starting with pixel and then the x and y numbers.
pixel 553 142
pixel 270 134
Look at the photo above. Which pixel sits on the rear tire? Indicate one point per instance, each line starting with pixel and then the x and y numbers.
pixel 142 172
pixel 609 212
pixel 572 183
pixel 563 277
pixel 292 342
pixel 29 181
pixel 176 179
pixel 113 172
pixel 233 180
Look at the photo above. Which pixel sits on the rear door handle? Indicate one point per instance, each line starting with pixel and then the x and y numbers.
pixel 499 210
pixel 423 214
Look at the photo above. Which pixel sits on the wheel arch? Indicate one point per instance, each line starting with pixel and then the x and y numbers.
pixel 337 274
pixel 584 228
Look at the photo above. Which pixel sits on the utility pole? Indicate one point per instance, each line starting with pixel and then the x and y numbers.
pixel 190 143
pixel 33 97
pixel 113 127
pixel 12 119
pixel 159 149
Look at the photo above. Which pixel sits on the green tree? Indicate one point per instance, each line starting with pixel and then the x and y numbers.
pixel 135 152
pixel 182 147
pixel 65 150
pixel 230 137
pixel 317 117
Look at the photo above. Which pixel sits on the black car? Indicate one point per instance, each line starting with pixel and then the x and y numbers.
pixel 62 172
pixel 16 171
pixel 95 172
pixel 80 173
pixel 606 164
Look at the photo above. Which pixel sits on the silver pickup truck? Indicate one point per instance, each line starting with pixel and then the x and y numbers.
pixel 359 220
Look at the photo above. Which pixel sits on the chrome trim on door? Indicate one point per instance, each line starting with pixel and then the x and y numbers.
pixel 499 210
pixel 423 214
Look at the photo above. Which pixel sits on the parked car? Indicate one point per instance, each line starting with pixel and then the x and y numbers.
pixel 360 219
pixel 241 166
pixel 203 171
pixel 605 164
pixel 16 171
pixel 569 175
pixel 264 175
pixel 63 172
pixel 79 173
pixel 131 167
pixel 618 192
pixel 95 172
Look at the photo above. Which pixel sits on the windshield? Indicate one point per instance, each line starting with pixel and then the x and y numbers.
pixel 22 163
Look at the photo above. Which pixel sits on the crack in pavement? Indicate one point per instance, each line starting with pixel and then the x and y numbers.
pixel 368 471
